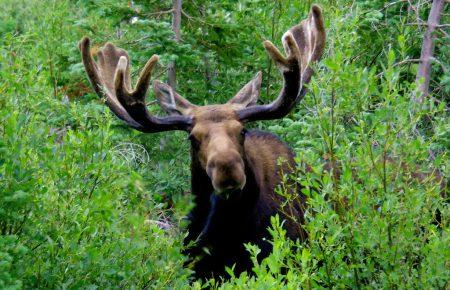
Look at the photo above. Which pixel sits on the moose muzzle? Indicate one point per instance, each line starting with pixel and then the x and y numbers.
pixel 226 172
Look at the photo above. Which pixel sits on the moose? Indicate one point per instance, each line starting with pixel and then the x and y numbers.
pixel 234 171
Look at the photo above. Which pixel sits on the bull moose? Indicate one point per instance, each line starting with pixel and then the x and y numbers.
pixel 234 171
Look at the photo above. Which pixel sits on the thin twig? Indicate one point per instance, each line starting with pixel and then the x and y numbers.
pixel 159 12
pixel 190 18
pixel 416 60
pixel 427 24
pixel 392 4
pixel 163 72
pixel 138 40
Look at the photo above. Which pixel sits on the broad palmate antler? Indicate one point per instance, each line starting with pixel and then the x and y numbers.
pixel 303 45
pixel 110 78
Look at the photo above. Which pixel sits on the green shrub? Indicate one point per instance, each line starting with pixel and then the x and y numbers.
pixel 81 196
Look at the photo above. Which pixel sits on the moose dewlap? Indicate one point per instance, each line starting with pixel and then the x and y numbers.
pixel 234 171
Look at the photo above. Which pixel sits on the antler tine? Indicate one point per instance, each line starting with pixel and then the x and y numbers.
pixel 312 30
pixel 303 44
pixel 110 78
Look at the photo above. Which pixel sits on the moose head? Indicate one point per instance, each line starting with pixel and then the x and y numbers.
pixel 217 132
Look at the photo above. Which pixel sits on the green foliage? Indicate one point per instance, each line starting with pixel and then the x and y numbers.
pixel 81 196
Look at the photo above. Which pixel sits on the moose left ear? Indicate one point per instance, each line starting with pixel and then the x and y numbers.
pixel 249 94
pixel 170 101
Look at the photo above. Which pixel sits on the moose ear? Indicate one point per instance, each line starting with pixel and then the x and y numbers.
pixel 249 94
pixel 170 101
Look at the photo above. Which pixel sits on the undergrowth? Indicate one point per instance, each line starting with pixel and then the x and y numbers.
pixel 83 198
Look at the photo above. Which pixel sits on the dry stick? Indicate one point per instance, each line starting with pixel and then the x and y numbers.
pixel 426 24
pixel 159 13
pixel 432 59
pixel 415 60
pixel 176 23
pixel 392 4
pixel 440 27
pixel 195 19
pixel 427 51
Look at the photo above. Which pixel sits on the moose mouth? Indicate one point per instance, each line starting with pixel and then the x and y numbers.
pixel 229 193
pixel 227 181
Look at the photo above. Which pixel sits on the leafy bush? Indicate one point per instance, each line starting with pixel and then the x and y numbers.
pixel 82 196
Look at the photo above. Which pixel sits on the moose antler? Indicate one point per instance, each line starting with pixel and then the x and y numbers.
pixel 303 44
pixel 110 79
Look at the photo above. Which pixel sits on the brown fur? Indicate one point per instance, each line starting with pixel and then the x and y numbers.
pixel 252 164
pixel 274 159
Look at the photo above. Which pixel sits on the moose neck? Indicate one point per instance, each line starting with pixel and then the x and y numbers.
pixel 214 213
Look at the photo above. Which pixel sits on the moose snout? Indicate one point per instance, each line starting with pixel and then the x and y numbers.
pixel 226 172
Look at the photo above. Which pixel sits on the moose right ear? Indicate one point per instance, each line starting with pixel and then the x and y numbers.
pixel 170 101
pixel 249 94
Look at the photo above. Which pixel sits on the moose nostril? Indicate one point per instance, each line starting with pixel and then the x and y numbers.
pixel 228 164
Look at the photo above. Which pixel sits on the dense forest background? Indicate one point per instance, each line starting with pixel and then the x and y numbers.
pixel 85 202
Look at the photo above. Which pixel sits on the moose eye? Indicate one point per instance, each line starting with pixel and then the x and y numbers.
pixel 243 132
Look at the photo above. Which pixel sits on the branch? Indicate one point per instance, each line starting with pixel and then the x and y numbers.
pixel 432 59
pixel 392 4
pixel 416 60
pixel 187 15
pixel 193 19
pixel 406 61
pixel 131 42
pixel 159 13
pixel 427 24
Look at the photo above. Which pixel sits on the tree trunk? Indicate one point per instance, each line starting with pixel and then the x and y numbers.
pixel 176 23
pixel 426 55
